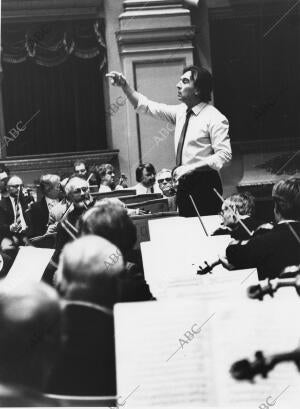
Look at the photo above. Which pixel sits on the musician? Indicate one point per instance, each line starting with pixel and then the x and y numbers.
pixel 29 342
pixel 110 220
pixel 202 145
pixel 13 210
pixel 39 211
pixel 145 176
pixel 78 194
pixel 87 362
pixel 240 206
pixel 271 252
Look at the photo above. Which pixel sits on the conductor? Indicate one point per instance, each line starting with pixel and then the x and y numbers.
pixel 202 144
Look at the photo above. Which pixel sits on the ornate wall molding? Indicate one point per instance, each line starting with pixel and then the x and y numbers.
pixel 46 10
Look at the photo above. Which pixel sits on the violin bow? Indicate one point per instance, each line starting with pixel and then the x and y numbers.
pixel 236 215
pixel 199 217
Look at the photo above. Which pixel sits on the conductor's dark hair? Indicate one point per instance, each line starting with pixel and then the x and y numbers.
pixel 111 221
pixel 286 196
pixel 139 170
pixel 202 80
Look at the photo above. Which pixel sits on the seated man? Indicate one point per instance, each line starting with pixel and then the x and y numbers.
pixel 110 220
pixel 271 252
pixel 87 362
pixel 145 176
pixel 80 169
pixel 240 206
pixel 13 210
pixel 166 185
pixel 77 191
pixel 39 211
pixel 4 176
pixel 29 342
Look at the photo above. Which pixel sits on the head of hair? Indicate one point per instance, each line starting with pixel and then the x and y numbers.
pixel 244 203
pixel 14 177
pixel 72 183
pixel 110 220
pixel 164 170
pixel 88 270
pixel 202 79
pixel 286 197
pixel 103 169
pixel 79 162
pixel 30 333
pixel 139 170
pixel 47 182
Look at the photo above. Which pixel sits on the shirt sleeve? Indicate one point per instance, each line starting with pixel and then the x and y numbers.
pixel 248 253
pixel 220 143
pixel 156 109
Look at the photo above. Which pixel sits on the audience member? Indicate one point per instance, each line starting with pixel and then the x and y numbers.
pixel 29 342
pixel 271 252
pixel 80 169
pixel 240 206
pixel 166 184
pixel 87 362
pixel 4 176
pixel 39 211
pixel 110 220
pixel 145 176
pixel 13 210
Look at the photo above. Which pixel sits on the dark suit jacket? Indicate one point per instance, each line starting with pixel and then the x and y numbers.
pixel 7 215
pixel 270 253
pixel 39 217
pixel 86 365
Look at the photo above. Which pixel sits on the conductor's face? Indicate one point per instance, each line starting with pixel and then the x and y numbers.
pixel 186 90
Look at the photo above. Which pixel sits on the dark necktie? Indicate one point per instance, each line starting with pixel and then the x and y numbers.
pixel 182 138
pixel 18 214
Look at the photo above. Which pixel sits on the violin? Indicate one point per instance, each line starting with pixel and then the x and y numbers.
pixel 123 181
pixel 258 292
pixel 262 365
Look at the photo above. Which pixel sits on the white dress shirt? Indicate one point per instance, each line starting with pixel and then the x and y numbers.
pixel 23 223
pixel 206 137
pixel 51 202
pixel 104 189
pixel 142 190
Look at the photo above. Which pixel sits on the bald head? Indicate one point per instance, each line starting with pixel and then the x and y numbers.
pixel 30 333
pixel 14 184
pixel 88 270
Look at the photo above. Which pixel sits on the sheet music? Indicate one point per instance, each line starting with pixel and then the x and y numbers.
pixel 29 265
pixel 196 373
pixel 149 354
pixel 239 333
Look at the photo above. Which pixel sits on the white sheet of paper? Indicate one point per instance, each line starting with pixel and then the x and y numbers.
pixel 29 265
pixel 162 372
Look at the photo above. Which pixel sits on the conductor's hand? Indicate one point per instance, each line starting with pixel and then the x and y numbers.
pixel 117 78
pixel 181 172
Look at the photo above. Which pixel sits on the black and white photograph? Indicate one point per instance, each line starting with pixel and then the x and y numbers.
pixel 150 204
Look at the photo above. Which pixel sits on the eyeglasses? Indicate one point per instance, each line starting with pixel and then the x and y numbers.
pixel 15 186
pixel 83 189
pixel 165 179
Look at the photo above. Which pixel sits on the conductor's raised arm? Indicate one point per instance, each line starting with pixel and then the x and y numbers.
pixel 119 80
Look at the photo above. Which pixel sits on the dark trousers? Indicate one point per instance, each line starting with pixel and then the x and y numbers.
pixel 200 186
